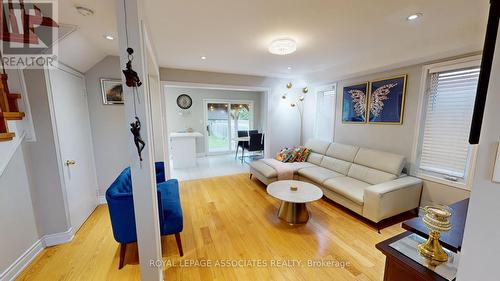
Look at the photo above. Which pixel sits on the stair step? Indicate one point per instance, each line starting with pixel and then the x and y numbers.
pixel 13 96
pixel 12 115
pixel 7 136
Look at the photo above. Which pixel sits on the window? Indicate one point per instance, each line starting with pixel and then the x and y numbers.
pixel 325 113
pixel 444 151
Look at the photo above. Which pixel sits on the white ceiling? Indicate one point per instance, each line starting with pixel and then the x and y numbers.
pixel 335 36
pixel 86 46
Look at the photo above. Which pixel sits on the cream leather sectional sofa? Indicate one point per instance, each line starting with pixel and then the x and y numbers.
pixel 366 181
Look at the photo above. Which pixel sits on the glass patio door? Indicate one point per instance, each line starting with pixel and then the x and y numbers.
pixel 223 120
pixel 218 127
pixel 241 115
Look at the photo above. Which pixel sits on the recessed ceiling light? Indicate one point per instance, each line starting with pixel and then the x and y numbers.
pixel 84 11
pixel 414 16
pixel 289 68
pixel 203 58
pixel 283 46
pixel 109 37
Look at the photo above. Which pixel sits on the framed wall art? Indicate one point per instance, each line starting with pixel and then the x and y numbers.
pixel 354 101
pixel 112 91
pixel 387 99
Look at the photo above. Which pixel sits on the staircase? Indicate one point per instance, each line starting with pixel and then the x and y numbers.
pixel 9 109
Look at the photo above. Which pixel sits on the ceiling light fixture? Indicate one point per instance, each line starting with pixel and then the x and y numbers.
pixel 84 11
pixel 203 58
pixel 109 37
pixel 283 46
pixel 289 68
pixel 414 16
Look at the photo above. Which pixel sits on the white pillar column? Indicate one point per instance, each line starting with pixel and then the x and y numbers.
pixel 131 34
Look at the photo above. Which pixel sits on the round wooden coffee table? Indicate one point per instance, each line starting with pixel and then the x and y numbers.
pixel 293 207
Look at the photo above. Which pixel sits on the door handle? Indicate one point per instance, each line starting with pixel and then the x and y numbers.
pixel 70 162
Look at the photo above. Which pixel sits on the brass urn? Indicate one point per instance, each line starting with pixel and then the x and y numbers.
pixel 437 220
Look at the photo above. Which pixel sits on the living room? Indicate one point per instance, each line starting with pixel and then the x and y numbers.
pixel 281 141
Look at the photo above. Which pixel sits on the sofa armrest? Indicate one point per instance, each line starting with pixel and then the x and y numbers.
pixel 390 198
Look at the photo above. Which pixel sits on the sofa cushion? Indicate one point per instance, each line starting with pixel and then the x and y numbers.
pixel 318 174
pixel 342 151
pixel 266 170
pixel 380 160
pixel 315 158
pixel 269 172
pixel 336 165
pixel 369 175
pixel 297 166
pixel 317 146
pixel 350 188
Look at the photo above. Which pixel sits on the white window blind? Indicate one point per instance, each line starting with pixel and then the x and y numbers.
pixel 325 114
pixel 444 146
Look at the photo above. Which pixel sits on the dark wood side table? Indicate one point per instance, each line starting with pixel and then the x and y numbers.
pixel 451 240
pixel 399 267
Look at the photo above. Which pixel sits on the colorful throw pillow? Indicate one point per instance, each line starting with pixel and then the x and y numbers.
pixel 302 154
pixel 283 155
pixel 296 154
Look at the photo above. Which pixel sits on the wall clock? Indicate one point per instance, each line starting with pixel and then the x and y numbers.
pixel 184 101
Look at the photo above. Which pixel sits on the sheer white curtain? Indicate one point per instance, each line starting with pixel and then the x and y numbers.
pixel 325 114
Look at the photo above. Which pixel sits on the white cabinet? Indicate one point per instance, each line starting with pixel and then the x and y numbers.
pixel 183 146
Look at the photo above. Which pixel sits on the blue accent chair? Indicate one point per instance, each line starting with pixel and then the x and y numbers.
pixel 121 209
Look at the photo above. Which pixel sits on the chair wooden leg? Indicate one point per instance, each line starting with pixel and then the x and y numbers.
pixel 251 176
pixel 123 249
pixel 179 243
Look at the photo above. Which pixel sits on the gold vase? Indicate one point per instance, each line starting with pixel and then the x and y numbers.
pixel 437 220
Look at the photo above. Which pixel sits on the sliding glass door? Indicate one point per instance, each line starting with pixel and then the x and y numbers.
pixel 223 119
pixel 240 120
pixel 217 135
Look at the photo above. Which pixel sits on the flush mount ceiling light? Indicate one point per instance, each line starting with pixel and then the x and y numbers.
pixel 283 46
pixel 203 58
pixel 84 11
pixel 414 16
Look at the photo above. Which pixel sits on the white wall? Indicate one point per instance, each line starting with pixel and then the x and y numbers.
pixel 18 229
pixel 17 220
pixel 393 138
pixel 107 123
pixel 481 244
pixel 195 119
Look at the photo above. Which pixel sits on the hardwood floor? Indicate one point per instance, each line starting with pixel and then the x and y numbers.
pixel 228 219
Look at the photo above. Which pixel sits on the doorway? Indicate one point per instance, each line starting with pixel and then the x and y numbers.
pixel 223 120
pixel 68 98
pixel 215 116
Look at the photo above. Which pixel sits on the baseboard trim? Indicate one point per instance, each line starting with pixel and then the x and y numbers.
pixel 101 200
pixel 58 238
pixel 22 262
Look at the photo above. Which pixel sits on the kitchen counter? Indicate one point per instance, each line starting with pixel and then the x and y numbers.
pixel 183 149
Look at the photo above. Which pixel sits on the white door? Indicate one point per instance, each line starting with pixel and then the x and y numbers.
pixel 70 111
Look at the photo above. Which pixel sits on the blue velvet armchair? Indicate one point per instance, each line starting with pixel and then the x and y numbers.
pixel 121 209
